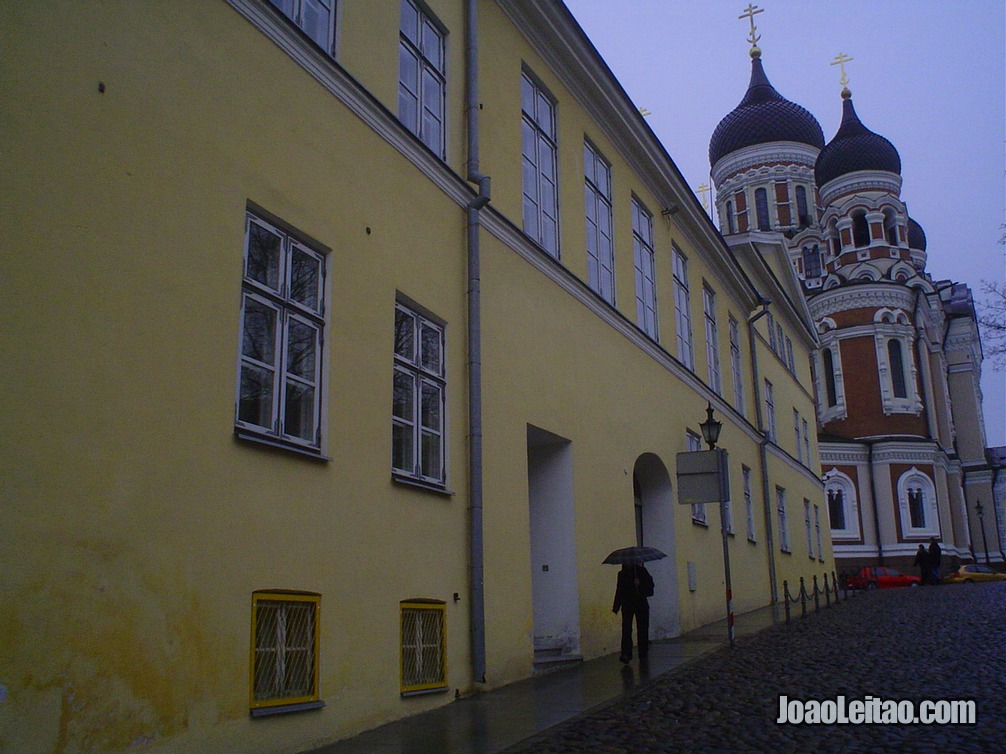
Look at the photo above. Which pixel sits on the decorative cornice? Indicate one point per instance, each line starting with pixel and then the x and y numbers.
pixel 791 152
pixel 861 181
pixel 863 296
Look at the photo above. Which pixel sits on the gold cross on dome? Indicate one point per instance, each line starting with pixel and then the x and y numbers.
pixel 749 13
pixel 840 60
pixel 703 190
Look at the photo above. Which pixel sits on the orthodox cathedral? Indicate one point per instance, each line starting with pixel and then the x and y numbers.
pixel 897 371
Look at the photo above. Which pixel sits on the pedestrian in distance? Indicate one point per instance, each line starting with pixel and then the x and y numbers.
pixel 633 588
pixel 922 561
pixel 935 553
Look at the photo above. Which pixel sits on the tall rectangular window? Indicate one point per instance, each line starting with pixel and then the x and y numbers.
pixel 538 158
pixel 806 444
pixel 422 77
pixel 682 309
pixel 646 278
pixel 748 502
pixel 698 509
pixel 597 197
pixel 712 339
pixel 284 649
pixel 817 533
pixel 771 333
pixel 770 412
pixel 423 647
pixel 418 431
pixel 780 496
pixel 799 437
pixel 761 208
pixel 282 326
pixel 735 365
pixel 790 360
pixel 807 526
pixel 316 18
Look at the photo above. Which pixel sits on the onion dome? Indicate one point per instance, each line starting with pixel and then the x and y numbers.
pixel 916 236
pixel 763 116
pixel 855 147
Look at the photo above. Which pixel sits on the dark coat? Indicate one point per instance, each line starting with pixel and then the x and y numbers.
pixel 634 585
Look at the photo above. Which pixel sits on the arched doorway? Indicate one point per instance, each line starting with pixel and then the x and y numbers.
pixel 653 508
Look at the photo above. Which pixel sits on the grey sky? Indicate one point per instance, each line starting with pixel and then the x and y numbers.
pixel 930 75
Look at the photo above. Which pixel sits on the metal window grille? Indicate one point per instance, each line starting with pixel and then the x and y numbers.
pixel 284 649
pixel 423 656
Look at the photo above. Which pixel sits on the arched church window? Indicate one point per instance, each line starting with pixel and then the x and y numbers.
pixel 917 507
pixel 761 206
pixel 829 377
pixel 891 227
pixel 801 206
pixel 860 230
pixel 897 365
pixel 730 217
pixel 836 508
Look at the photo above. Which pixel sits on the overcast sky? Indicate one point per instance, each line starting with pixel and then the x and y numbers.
pixel 929 75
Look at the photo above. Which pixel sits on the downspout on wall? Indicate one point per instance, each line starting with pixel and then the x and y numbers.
pixel 476 543
pixel 876 512
pixel 763 449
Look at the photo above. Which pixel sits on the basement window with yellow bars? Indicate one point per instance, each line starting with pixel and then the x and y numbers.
pixel 284 652
pixel 423 651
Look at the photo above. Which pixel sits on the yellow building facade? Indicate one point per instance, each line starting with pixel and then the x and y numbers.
pixel 262 485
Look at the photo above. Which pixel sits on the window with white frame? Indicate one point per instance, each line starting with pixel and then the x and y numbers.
pixel 806 444
pixel 682 308
pixel 423 666
pixel 282 328
pixel 761 209
pixel 422 77
pixel 917 504
pixel 807 526
pixel 600 249
pixel 735 364
pixel 817 533
pixel 790 360
pixel 748 502
pixel 799 436
pixel 316 18
pixel 646 277
pixel 284 645
pixel 418 428
pixel 771 333
pixel 831 383
pixel 538 158
pixel 698 509
pixel 780 497
pixel 843 506
pixel 712 339
pixel 770 411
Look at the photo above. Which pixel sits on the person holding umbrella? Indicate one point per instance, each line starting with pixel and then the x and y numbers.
pixel 633 587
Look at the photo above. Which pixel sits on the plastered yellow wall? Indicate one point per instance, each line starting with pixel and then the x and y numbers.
pixel 136 527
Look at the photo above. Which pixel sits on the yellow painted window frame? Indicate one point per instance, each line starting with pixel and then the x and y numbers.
pixel 283 596
pixel 436 606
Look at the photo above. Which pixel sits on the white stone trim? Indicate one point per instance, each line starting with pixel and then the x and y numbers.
pixel 931 511
pixel 859 182
pixel 837 480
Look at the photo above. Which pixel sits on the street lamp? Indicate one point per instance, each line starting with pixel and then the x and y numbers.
pixel 981 522
pixel 710 427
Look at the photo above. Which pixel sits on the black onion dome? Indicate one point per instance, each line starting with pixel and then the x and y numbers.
pixel 855 147
pixel 763 116
pixel 916 236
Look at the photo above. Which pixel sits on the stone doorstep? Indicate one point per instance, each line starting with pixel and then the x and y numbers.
pixel 552 657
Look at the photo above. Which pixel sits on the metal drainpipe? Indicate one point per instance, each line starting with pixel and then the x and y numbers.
pixel 476 543
pixel 929 407
pixel 763 452
pixel 876 512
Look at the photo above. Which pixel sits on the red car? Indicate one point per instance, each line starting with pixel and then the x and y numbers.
pixel 880 577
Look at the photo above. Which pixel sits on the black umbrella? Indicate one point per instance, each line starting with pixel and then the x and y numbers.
pixel 636 555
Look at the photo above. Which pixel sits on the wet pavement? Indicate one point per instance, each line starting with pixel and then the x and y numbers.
pixel 696 694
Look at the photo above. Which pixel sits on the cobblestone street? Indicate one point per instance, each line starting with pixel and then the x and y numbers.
pixel 933 643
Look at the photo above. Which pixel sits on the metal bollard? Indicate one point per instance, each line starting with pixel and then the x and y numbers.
pixel 803 599
pixel 817 596
pixel 785 598
pixel 827 592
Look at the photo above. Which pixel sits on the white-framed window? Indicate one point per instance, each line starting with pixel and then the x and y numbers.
pixel 761 209
pixel 282 336
pixel 538 158
pixel 731 225
pixel 817 533
pixel 770 412
pixel 802 210
pixel 284 649
pixel 808 461
pixel 780 498
pixel 790 360
pixel 748 502
pixel 600 248
pixel 771 333
pixel 682 308
pixel 807 526
pixel 737 374
pixel 812 268
pixel 799 436
pixel 917 505
pixel 694 442
pixel 712 339
pixel 422 75
pixel 316 18
pixel 831 382
pixel 843 506
pixel 423 659
pixel 419 400
pixel 646 276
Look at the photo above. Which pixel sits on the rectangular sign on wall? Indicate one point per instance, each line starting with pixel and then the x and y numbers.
pixel 703 477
